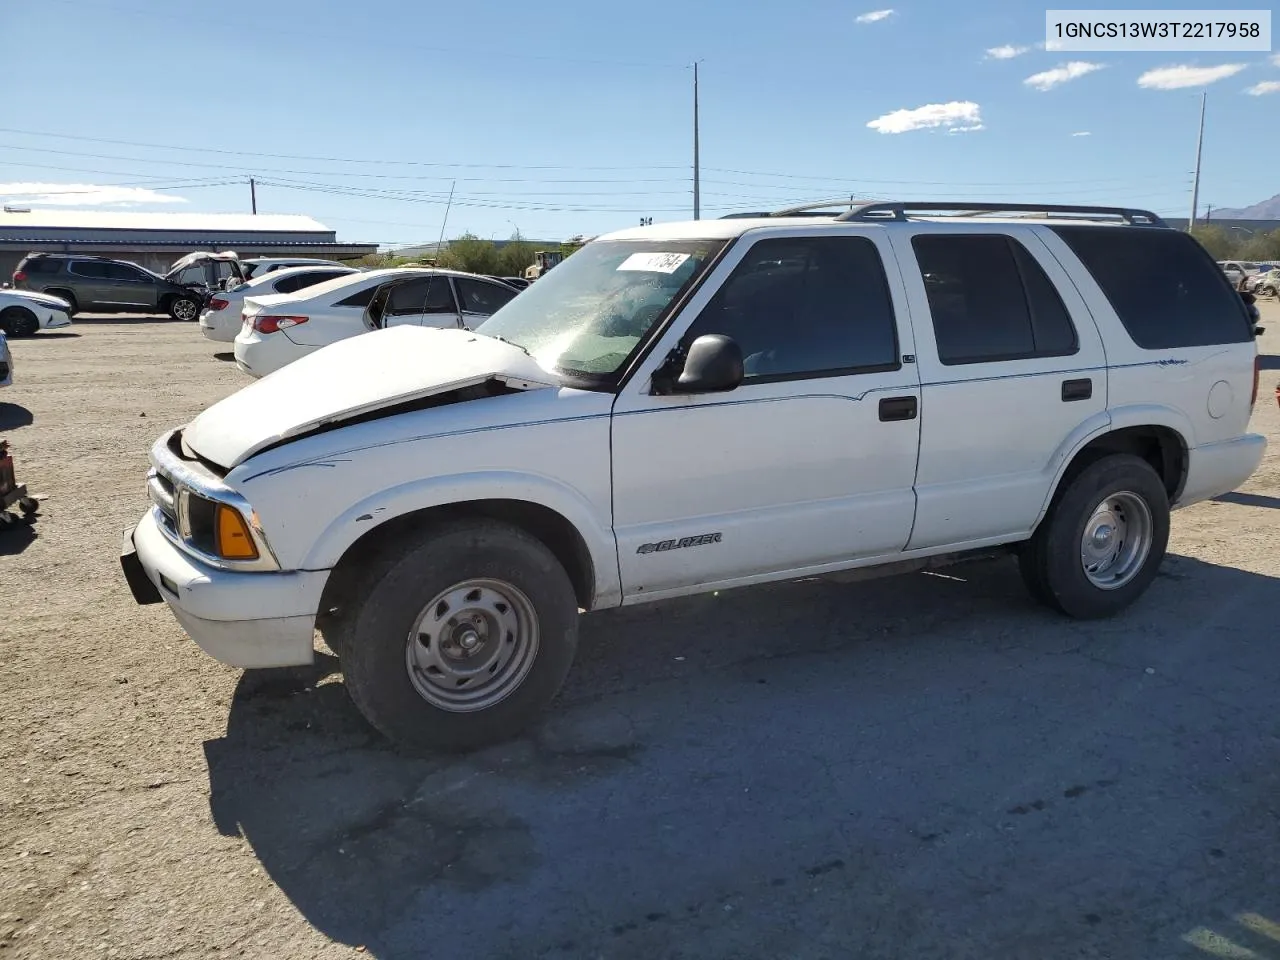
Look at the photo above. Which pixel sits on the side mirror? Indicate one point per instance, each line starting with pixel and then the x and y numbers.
pixel 713 364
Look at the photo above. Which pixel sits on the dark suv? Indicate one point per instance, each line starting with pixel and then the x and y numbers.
pixel 100 285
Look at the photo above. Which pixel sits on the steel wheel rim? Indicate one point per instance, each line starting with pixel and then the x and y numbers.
pixel 184 309
pixel 1117 540
pixel 472 645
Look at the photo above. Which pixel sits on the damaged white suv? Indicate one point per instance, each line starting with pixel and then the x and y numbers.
pixel 696 406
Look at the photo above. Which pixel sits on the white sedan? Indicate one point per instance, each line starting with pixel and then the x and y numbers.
pixel 220 320
pixel 24 312
pixel 281 328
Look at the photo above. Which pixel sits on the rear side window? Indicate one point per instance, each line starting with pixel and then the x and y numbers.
pixel 300 280
pixel 1162 285
pixel 90 268
pixel 361 298
pixel 990 300
pixel 41 266
pixel 480 297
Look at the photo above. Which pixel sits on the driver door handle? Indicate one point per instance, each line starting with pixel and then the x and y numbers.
pixel 898 408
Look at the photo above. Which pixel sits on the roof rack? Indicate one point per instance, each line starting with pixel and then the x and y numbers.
pixel 816 209
pixel 898 210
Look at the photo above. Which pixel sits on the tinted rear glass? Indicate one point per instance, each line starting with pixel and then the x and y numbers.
pixel 42 265
pixel 1162 284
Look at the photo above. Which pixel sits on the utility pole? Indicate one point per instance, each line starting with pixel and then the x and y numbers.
pixel 697 198
pixel 253 195
pixel 1195 184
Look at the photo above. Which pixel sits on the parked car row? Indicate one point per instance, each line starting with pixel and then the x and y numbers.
pixel 278 326
pixel 103 285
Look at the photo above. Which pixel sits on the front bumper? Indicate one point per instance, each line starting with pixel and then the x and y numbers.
pixel 253 620
pixel 56 320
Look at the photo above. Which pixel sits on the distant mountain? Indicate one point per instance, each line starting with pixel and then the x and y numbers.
pixel 1266 210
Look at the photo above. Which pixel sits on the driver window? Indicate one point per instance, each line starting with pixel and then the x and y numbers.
pixel 806 307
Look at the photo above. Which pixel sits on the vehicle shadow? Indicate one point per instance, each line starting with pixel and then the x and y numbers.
pixel 1268 361
pixel 57 335
pixel 226 357
pixel 16 538
pixel 1249 500
pixel 126 318
pixel 13 415
pixel 777 771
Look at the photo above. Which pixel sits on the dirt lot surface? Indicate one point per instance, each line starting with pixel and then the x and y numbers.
pixel 922 767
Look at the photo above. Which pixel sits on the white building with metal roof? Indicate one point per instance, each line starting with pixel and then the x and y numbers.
pixel 155 240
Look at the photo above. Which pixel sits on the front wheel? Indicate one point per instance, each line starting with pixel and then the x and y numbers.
pixel 18 322
pixel 459 638
pixel 183 308
pixel 1101 544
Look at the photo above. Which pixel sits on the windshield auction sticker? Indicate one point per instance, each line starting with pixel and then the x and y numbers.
pixel 1134 30
pixel 654 262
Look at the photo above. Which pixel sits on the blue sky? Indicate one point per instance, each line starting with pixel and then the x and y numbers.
pixel 575 117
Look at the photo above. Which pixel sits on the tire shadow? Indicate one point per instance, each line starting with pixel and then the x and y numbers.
pixel 745 773
pixel 226 357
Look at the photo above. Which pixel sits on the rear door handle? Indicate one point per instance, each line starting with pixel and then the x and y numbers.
pixel 1077 390
pixel 898 408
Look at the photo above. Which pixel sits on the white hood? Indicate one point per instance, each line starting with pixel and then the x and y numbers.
pixel 45 299
pixel 352 377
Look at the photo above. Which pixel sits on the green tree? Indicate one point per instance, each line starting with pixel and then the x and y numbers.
pixel 1215 240
pixel 515 256
pixel 471 254
pixel 1261 246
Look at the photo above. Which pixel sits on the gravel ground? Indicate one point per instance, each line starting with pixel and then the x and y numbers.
pixel 926 767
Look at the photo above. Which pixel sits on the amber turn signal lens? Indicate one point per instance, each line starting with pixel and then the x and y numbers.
pixel 231 535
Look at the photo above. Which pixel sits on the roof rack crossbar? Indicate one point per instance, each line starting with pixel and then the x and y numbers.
pixel 852 203
pixel 898 210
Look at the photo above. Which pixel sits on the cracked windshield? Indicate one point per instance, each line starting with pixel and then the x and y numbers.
pixel 589 313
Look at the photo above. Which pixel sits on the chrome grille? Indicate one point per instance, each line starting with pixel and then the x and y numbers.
pixel 162 492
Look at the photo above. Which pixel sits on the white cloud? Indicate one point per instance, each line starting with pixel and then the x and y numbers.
pixel 1083 133
pixel 1185 75
pixel 1006 52
pixel 81 195
pixel 1267 86
pixel 1060 75
pixel 957 116
pixel 875 16
pixel 1275 59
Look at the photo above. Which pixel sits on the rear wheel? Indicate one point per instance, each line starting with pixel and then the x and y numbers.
pixel 184 308
pixel 18 322
pixel 1103 540
pixel 460 637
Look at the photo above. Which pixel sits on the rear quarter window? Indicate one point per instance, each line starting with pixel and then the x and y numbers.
pixel 41 266
pixel 1164 286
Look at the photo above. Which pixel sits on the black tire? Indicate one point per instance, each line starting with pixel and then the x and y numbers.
pixel 375 631
pixel 184 308
pixel 1051 561
pixel 73 307
pixel 18 322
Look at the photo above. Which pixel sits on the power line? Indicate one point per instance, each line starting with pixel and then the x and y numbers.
pixel 509 166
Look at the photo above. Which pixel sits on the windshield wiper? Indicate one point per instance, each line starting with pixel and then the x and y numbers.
pixel 494 336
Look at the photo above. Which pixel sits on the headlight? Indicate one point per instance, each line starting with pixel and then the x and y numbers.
pixel 214 528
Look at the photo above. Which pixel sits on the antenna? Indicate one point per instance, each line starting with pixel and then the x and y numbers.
pixel 440 242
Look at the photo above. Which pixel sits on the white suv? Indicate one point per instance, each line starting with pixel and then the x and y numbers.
pixel 696 406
